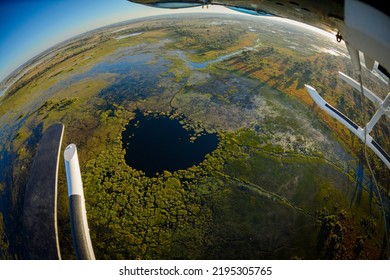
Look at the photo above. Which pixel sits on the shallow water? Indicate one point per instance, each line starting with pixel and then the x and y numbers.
pixel 200 65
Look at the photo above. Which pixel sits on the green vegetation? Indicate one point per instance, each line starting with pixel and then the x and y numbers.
pixel 56 106
pixel 288 72
pixel 219 209
pixel 134 216
pixel 281 183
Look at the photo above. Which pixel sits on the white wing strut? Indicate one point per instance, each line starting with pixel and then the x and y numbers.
pixel 352 126
pixel 78 214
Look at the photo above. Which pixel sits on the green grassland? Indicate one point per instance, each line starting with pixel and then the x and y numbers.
pixel 275 187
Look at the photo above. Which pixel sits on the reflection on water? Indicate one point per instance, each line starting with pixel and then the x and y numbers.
pixel 133 70
pixel 123 64
pixel 155 144
pixel 152 144
pixel 138 78
pixel 200 65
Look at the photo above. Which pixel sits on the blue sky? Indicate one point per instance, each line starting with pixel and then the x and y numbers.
pixel 28 27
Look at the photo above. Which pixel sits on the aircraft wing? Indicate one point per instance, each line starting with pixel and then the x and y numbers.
pixel 326 15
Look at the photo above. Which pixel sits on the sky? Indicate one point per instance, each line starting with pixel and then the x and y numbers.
pixel 29 27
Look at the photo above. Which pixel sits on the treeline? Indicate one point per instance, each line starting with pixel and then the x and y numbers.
pixel 23 81
pixel 339 238
pixel 205 39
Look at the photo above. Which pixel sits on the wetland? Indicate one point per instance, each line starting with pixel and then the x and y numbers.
pixel 197 140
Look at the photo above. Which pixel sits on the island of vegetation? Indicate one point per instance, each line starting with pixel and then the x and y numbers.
pixel 282 179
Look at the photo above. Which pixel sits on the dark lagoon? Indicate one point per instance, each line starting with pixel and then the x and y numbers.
pixel 157 143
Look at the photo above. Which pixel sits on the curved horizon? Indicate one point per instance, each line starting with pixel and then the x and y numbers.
pixel 30 28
